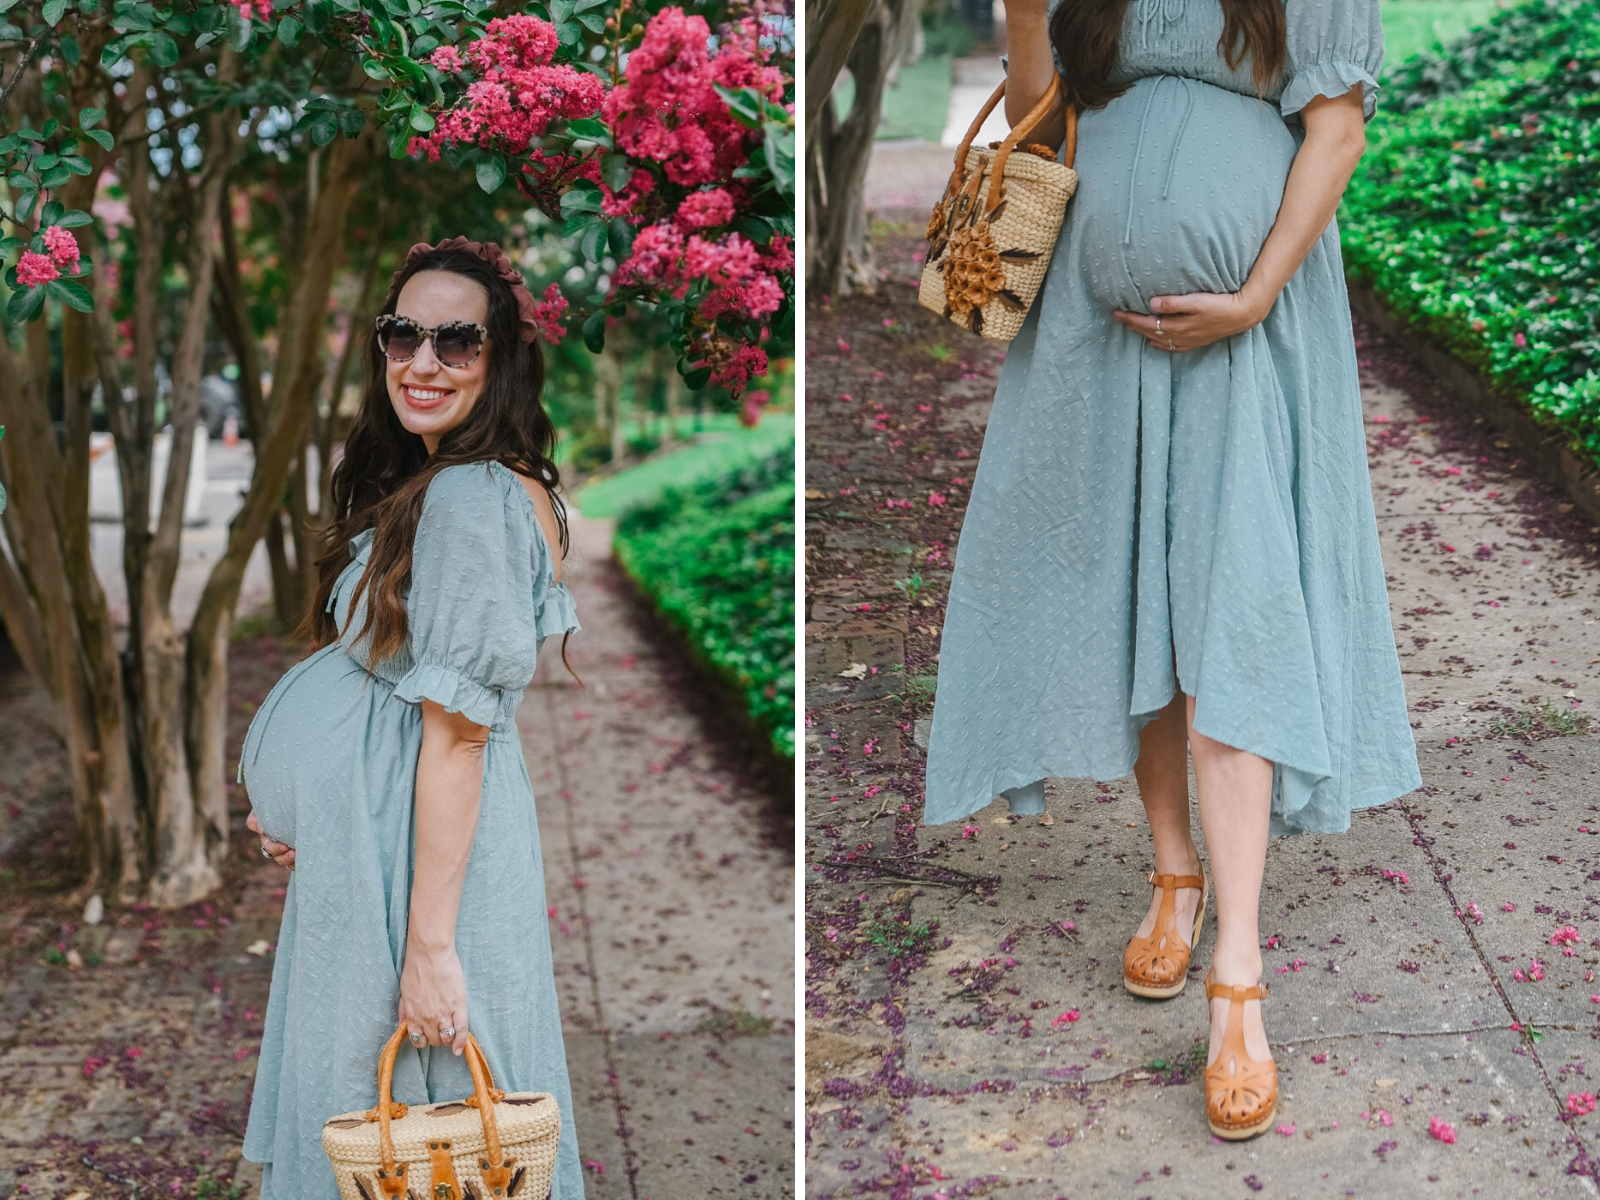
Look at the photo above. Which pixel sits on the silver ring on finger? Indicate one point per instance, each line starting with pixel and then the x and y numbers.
pixel 1170 345
pixel 1158 324
pixel 448 1031
pixel 265 853
pixel 417 1039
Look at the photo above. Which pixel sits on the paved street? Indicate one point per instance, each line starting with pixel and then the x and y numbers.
pixel 1441 961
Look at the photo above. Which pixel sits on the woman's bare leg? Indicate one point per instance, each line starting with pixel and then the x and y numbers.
pixel 1162 771
pixel 1235 789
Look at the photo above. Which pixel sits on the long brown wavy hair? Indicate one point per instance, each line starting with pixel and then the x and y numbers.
pixel 1085 34
pixel 382 478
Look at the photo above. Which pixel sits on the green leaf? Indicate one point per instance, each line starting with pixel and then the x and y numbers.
pixel 421 119
pixel 743 103
pixel 74 218
pixel 399 139
pixel 491 173
pixel 290 31
pixel 77 164
pixel 593 240
pixel 8 5
pixel 594 22
pixel 54 10
pixel 352 121
pixel 88 118
pixel 620 236
pixel 374 70
pixel 582 197
pixel 590 129
pixel 315 14
pixel 54 177
pixel 100 137
pixel 594 331
pixel 780 156
pixel 241 29
pixel 697 379
pixel 324 127
pixel 163 49
pixel 45 161
pixel 72 294
pixel 25 203
pixel 616 170
pixel 25 304
pixel 51 212
pixel 71 51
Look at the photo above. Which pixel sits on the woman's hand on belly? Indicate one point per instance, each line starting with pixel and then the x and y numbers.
pixel 1190 322
pixel 281 854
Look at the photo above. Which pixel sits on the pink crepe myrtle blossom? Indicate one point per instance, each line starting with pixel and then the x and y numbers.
pixel 35 270
pixel 1580 1104
pixel 253 8
pixel 447 59
pixel 547 315
pixel 62 247
pixel 519 92
pixel 704 209
pixel 1441 1130
pixel 1567 935
pixel 1066 1018
pixel 969 831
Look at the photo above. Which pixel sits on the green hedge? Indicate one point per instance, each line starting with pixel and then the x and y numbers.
pixel 717 559
pixel 1475 213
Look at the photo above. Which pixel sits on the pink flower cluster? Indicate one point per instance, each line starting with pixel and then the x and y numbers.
pixel 61 255
pixel 667 110
pixel 519 92
pixel 548 312
pixel 1441 1130
pixel 1580 1104
pixel 253 8
pixel 1566 937
pixel 1534 973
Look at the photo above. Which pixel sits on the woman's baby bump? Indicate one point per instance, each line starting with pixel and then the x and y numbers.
pixel 1180 183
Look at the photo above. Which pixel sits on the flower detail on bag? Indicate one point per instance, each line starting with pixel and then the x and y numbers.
pixel 972 272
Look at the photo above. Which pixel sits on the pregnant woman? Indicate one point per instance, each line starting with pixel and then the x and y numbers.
pixel 1170 545
pixel 391 756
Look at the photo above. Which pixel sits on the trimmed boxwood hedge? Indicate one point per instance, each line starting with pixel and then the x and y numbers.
pixel 1475 213
pixel 717 560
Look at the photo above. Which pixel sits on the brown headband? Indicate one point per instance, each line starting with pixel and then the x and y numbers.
pixel 527 307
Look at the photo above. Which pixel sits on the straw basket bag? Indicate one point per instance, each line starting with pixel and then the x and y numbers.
pixel 989 244
pixel 490 1144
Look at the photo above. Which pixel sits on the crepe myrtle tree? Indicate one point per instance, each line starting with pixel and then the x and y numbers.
pixel 661 140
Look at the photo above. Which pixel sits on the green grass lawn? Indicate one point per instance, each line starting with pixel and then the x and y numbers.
pixel 916 106
pixel 1412 26
pixel 723 446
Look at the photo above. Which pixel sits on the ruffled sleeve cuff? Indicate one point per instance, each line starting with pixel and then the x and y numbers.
pixel 557 612
pixel 1332 79
pixel 452 690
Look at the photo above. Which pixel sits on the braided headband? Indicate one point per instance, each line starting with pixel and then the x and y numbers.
pixel 490 253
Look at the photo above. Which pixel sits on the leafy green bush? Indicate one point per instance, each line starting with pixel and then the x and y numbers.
pixel 1476 214
pixel 717 559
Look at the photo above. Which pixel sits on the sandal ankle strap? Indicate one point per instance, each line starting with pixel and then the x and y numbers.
pixel 1234 992
pixel 1176 881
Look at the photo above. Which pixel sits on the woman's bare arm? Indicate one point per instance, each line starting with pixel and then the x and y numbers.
pixel 449 788
pixel 1030 66
pixel 1334 142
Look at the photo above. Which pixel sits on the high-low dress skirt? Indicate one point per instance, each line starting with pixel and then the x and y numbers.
pixel 330 764
pixel 1131 504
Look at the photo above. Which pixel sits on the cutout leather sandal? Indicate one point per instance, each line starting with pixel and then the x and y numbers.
pixel 1157 965
pixel 1241 1093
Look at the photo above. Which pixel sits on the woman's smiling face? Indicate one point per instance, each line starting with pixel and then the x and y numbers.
pixel 430 398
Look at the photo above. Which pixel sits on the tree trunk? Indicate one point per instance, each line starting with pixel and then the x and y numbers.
pixel 838 253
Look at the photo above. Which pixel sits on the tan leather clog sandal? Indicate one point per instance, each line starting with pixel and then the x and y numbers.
pixel 1241 1093
pixel 1157 965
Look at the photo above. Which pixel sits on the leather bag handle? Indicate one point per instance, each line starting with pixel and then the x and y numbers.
pixel 1018 131
pixel 392 1178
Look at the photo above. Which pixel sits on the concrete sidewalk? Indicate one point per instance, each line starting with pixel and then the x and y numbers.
pixel 670 877
pixel 962 1042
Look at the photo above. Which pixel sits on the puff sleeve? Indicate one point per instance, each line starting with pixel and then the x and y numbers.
pixel 472 608
pixel 1333 45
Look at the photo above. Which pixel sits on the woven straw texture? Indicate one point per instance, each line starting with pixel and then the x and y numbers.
pixel 529 1125
pixel 983 273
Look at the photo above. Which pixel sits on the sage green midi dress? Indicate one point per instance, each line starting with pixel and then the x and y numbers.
pixel 330 765
pixel 1131 503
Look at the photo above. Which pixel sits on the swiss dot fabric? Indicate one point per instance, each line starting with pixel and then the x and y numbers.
pixel 1132 503
pixel 330 766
